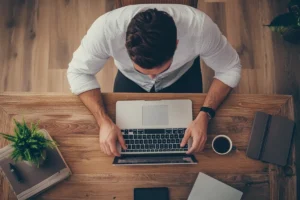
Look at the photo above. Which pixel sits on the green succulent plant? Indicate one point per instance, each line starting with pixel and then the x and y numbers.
pixel 288 24
pixel 29 144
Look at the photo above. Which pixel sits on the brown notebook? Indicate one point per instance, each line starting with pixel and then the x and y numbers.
pixel 271 138
pixel 35 180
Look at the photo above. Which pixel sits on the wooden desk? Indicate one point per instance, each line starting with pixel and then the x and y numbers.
pixel 94 178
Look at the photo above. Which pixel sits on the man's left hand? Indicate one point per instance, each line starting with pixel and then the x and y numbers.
pixel 198 131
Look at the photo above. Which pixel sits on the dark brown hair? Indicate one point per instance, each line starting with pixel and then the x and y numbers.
pixel 151 38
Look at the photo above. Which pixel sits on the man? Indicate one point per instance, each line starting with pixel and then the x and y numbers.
pixel 156 49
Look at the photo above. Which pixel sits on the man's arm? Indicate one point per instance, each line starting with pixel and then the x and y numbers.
pixel 92 99
pixel 109 132
pixel 216 94
pixel 87 61
pixel 198 128
pixel 219 55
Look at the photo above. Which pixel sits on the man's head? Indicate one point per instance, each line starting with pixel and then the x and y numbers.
pixel 151 41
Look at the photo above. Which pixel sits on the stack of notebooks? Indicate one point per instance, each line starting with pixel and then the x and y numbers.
pixel 270 139
pixel 35 180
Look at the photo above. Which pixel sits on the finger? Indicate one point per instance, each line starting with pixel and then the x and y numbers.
pixel 202 145
pixel 102 146
pixel 113 149
pixel 191 150
pixel 107 149
pixel 102 149
pixel 122 141
pixel 195 145
pixel 185 139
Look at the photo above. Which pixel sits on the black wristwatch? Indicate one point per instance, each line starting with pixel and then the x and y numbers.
pixel 209 111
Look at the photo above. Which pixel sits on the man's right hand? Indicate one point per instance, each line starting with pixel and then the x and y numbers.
pixel 108 136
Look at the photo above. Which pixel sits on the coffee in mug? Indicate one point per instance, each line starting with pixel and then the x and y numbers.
pixel 222 144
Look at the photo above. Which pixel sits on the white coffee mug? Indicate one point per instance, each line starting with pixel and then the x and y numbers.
pixel 230 144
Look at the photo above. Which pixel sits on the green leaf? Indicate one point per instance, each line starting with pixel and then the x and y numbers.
pixel 294 7
pixel 283 22
pixel 8 137
pixel 28 142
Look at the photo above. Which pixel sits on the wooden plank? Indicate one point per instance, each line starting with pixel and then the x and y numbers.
pixel 87 143
pixel 41 47
pixel 235 101
pixel 64 38
pixel 237 107
pixel 82 161
pixel 70 24
pixel 118 185
pixel 249 81
pixel 18 14
pixel 283 179
pixel 216 11
pixel 240 142
pixel 244 30
pixel 173 179
pixel 246 100
pixel 7 22
pixel 40 34
pixel 70 124
pixel 5 121
pixel 58 82
pixel 81 137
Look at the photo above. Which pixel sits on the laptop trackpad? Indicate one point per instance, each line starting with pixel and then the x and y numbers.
pixel 155 115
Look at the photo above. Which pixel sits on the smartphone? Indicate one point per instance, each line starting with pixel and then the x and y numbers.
pixel 161 193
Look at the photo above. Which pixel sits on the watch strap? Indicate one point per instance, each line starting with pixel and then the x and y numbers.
pixel 211 112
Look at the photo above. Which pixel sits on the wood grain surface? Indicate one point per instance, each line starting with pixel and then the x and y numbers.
pixel 71 124
pixel 38 38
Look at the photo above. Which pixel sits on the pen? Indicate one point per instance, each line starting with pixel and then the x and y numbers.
pixel 15 172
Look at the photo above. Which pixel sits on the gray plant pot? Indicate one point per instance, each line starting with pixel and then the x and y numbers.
pixel 292 35
pixel 41 161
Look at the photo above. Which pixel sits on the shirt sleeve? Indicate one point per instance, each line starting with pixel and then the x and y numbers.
pixel 88 59
pixel 218 54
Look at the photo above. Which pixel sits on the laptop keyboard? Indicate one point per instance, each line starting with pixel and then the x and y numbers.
pixel 154 140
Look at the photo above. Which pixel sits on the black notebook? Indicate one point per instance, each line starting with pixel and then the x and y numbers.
pixel 271 138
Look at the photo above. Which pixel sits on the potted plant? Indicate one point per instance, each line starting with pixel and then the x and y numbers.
pixel 288 24
pixel 29 144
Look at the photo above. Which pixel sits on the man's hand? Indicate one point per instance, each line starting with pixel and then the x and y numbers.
pixel 108 137
pixel 198 131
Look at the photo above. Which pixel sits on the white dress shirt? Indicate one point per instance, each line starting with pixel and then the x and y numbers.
pixel 197 35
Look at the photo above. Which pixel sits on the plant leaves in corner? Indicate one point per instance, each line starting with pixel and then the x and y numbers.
pixel 282 23
pixel 294 7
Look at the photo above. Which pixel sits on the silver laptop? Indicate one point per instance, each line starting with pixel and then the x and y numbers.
pixel 153 131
